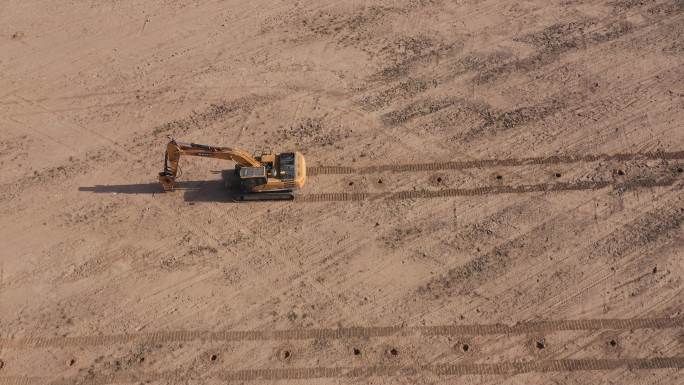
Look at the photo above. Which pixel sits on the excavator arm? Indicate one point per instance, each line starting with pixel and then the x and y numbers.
pixel 174 151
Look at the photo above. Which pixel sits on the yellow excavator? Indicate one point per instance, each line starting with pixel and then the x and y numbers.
pixel 266 176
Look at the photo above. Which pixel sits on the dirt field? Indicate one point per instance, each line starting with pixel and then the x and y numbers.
pixel 495 192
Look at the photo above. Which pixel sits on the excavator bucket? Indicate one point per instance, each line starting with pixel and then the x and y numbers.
pixel 167 181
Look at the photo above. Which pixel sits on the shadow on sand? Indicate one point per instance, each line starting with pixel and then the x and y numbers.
pixel 193 191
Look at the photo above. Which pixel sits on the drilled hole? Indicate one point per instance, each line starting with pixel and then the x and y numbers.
pixel 394 352
pixel 72 362
pixel 213 357
pixel 351 183
pixel 655 269
pixel 357 352
pixel 465 347
pixel 680 170
pixel 439 180
pixel 499 177
pixel 558 175
pixel 620 172
pixel 613 343
pixel 379 181
pixel 541 344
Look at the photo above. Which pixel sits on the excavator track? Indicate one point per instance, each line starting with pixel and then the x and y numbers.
pixel 267 196
pixel 500 162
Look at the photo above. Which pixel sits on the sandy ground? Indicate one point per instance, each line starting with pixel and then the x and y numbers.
pixel 495 192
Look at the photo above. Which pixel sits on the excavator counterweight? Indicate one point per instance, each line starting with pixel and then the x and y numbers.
pixel 265 177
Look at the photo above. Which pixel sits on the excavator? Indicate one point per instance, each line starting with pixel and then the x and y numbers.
pixel 266 176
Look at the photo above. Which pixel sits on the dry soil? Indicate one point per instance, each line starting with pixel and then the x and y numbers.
pixel 495 192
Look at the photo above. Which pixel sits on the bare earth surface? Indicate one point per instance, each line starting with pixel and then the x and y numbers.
pixel 495 192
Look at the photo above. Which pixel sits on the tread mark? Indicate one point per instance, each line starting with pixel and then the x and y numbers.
pixel 500 368
pixel 488 190
pixel 346 333
pixel 485 163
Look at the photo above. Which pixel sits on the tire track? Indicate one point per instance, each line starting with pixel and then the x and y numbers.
pixel 487 163
pixel 492 369
pixel 629 237
pixel 502 368
pixel 561 39
pixel 551 44
pixel 346 333
pixel 21 380
pixel 481 191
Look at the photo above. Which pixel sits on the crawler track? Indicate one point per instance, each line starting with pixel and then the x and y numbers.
pixel 502 368
pixel 345 333
pixel 491 369
pixel 478 191
pixel 488 163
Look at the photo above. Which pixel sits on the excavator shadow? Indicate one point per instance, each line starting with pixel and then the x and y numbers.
pixel 193 191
